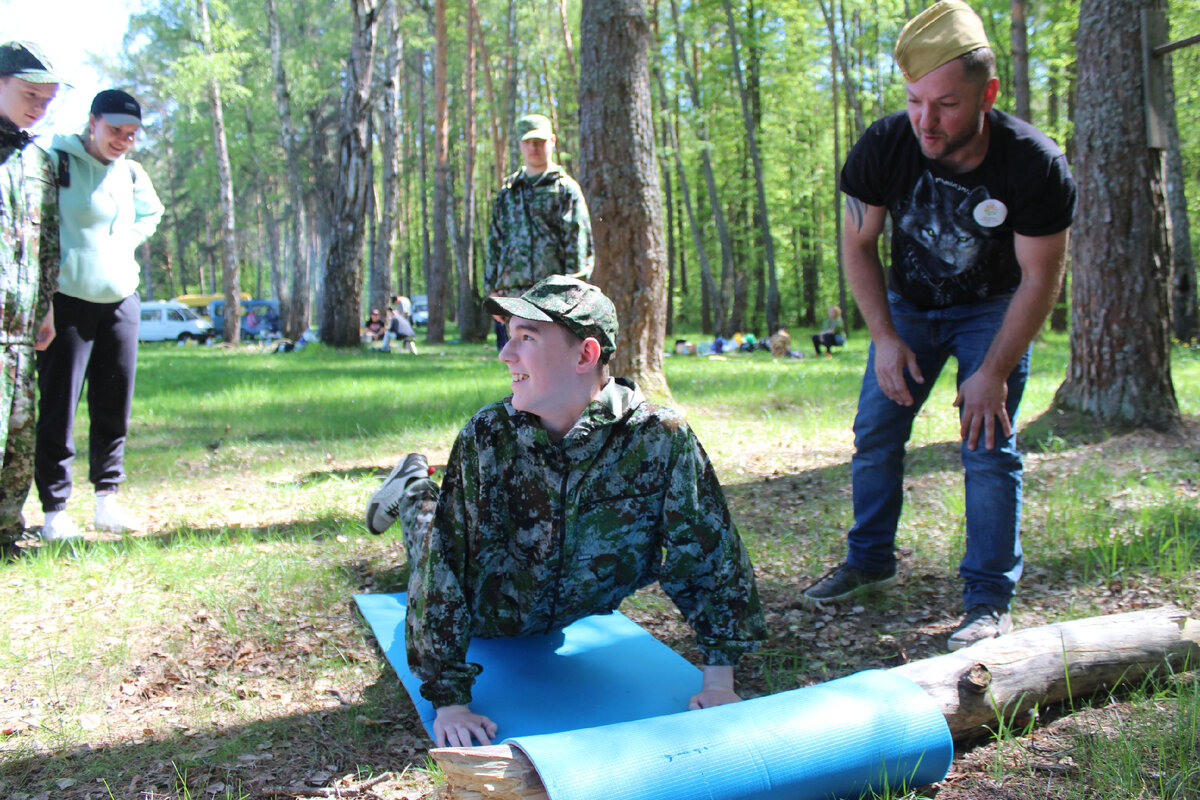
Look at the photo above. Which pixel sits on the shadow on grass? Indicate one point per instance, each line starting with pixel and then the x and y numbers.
pixel 378 733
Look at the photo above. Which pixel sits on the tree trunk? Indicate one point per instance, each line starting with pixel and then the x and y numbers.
pixel 294 304
pixel 720 298
pixel 229 262
pixel 389 127
pixel 341 312
pixel 422 147
pixel 979 688
pixel 1020 61
pixel 706 274
pixel 1183 265
pixel 852 98
pixel 471 327
pixel 619 176
pixel 500 152
pixel 1120 367
pixel 768 243
pixel 439 267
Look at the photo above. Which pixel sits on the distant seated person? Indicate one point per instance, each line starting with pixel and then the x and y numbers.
pixel 374 327
pixel 781 343
pixel 401 330
pixel 831 335
pixel 558 502
pixel 271 322
pixel 251 320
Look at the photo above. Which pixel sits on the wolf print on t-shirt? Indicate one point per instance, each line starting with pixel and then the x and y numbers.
pixel 946 244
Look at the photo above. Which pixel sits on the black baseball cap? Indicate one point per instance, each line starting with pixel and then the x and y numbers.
pixel 117 107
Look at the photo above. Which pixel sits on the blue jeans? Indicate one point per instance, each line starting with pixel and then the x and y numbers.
pixel 992 563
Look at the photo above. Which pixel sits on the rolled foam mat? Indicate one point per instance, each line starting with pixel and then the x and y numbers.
pixel 599 670
pixel 866 732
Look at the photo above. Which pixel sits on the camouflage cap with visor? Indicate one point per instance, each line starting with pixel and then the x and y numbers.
pixel 26 61
pixel 578 306
pixel 534 126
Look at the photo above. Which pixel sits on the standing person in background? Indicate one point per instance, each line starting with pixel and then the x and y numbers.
pixel 108 208
pixel 831 335
pixel 540 224
pixel 981 203
pixel 28 269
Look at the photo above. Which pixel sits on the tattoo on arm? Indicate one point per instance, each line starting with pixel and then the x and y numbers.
pixel 856 210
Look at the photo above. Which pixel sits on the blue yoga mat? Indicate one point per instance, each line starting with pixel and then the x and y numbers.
pixel 600 670
pixel 868 731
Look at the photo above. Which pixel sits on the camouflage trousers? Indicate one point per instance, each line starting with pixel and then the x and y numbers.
pixel 416 518
pixel 18 430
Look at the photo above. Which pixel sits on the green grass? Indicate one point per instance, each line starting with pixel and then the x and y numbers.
pixel 173 661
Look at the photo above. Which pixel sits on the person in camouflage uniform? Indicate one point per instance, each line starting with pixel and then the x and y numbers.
pixel 540 224
pixel 28 269
pixel 559 502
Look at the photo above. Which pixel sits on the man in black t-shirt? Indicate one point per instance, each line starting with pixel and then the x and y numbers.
pixel 980 204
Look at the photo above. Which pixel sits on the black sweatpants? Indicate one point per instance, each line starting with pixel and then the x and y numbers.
pixel 96 342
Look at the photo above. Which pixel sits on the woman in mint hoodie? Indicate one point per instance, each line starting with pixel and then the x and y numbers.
pixel 107 207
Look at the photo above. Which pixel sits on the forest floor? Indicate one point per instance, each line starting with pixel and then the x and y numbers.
pixel 220 655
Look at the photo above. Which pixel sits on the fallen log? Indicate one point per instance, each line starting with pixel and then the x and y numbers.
pixel 994 682
pixel 983 686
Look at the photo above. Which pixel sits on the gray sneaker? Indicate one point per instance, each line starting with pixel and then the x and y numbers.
pixel 384 506
pixel 981 622
pixel 845 581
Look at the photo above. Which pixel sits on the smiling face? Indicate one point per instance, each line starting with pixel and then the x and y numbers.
pixel 946 110
pixel 108 142
pixel 24 103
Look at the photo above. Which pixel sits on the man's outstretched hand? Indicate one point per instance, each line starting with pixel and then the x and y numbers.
pixel 456 725
pixel 717 689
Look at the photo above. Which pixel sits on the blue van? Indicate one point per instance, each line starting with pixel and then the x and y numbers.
pixel 260 318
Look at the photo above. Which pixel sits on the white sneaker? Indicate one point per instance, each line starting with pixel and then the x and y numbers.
pixel 59 527
pixel 112 517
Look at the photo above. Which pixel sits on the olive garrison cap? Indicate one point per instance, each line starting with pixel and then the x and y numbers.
pixel 938 35
pixel 579 307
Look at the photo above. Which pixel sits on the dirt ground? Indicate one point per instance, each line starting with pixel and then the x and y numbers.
pixel 360 739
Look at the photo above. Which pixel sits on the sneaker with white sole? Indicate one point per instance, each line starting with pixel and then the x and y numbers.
pixel 384 506
pixel 111 516
pixel 981 622
pixel 59 527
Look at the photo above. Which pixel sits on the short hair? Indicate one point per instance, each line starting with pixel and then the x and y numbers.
pixel 979 65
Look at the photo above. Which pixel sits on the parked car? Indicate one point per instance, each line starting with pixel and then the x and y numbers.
pixel 263 325
pixel 165 320
pixel 420 311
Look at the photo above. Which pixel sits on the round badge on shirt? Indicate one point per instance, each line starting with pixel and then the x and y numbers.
pixel 990 213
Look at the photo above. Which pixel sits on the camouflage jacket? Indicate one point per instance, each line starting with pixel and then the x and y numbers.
pixel 28 235
pixel 539 227
pixel 530 536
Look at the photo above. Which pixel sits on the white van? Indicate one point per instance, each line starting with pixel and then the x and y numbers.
pixel 166 320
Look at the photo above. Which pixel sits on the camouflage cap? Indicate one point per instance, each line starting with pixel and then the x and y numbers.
pixel 26 61
pixel 534 126
pixel 938 35
pixel 579 307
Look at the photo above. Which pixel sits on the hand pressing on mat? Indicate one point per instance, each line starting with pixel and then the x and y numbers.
pixel 455 725
pixel 717 689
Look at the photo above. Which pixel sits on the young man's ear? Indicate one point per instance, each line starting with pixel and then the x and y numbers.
pixel 589 356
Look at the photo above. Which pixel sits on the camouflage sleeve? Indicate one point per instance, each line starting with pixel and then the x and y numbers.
pixel 491 270
pixel 438 624
pixel 48 247
pixel 706 569
pixel 577 233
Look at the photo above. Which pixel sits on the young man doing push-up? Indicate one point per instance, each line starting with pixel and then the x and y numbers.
pixel 559 502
